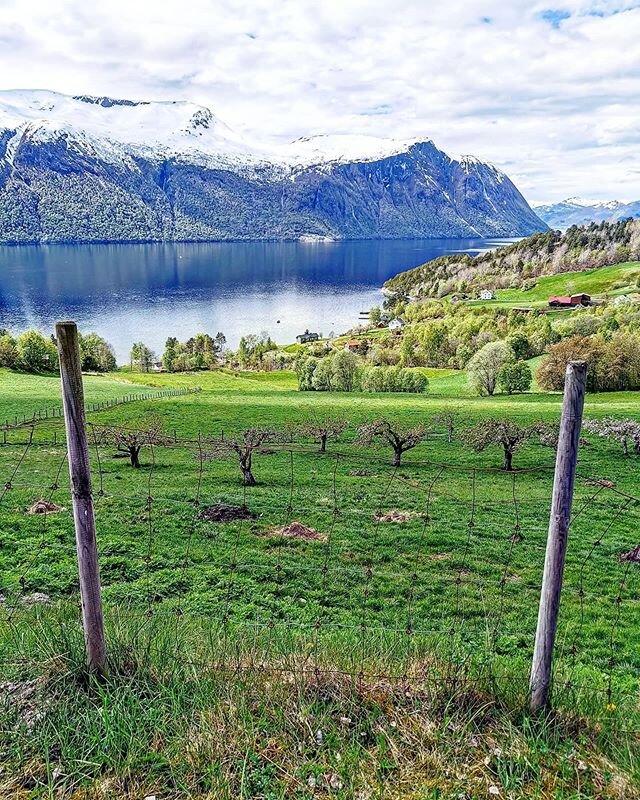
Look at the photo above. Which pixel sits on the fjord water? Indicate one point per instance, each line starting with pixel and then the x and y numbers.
pixel 132 292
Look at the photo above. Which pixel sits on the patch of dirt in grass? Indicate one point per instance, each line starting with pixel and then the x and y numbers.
pixel 23 698
pixel 296 530
pixel 439 556
pixel 43 506
pixel 397 516
pixel 632 555
pixel 221 512
pixel 37 598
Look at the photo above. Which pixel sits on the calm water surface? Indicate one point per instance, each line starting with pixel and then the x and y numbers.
pixel 150 291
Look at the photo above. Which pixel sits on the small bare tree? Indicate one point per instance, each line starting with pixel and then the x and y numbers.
pixel 504 433
pixel 131 440
pixel 243 448
pixel 449 419
pixel 625 431
pixel 321 429
pixel 400 437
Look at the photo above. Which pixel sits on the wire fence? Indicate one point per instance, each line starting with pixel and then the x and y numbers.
pixel 56 412
pixel 335 563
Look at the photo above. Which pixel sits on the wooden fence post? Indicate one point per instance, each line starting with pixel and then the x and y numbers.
pixel 82 497
pixel 559 520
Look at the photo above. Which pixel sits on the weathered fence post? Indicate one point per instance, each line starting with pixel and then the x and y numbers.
pixel 566 460
pixel 82 497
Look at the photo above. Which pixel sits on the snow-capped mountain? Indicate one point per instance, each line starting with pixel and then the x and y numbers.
pixel 581 211
pixel 90 168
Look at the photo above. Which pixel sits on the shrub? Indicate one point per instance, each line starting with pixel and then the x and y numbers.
pixel 393 379
pixel 515 377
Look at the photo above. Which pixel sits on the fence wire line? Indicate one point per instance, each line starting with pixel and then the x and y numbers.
pixel 453 629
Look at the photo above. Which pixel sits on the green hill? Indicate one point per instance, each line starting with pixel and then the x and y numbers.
pixel 518 265
pixel 613 280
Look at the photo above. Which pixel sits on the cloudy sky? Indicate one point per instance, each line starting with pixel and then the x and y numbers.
pixel 548 92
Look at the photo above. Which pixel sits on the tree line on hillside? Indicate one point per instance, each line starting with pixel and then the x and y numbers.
pixel 578 248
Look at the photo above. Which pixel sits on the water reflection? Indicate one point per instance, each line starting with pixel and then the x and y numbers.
pixel 148 291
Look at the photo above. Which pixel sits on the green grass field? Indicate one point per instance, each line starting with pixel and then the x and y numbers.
pixel 447 598
pixel 614 280
pixel 605 281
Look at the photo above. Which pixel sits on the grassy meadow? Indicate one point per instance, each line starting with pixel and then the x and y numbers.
pixel 388 651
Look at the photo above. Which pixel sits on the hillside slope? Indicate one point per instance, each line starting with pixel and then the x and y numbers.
pixel 517 265
pixel 97 169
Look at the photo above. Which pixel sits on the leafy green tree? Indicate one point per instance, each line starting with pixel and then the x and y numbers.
pixel 96 353
pixel 323 378
pixel 344 368
pixel 305 366
pixel 8 350
pixel 519 344
pixel 170 354
pixel 375 315
pixel 36 353
pixel 514 377
pixel 142 356
pixel 485 365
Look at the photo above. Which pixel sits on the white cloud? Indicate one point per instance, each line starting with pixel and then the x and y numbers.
pixel 550 91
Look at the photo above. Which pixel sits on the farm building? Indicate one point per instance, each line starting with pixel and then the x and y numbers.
pixel 486 294
pixel 396 325
pixel 353 345
pixel 569 301
pixel 305 337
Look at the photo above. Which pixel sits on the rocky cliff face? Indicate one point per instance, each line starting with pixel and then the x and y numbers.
pixel 124 171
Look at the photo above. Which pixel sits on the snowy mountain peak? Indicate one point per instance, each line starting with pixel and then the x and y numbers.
pixel 581 211
pixel 584 202
pixel 108 102
pixel 181 128
pixel 178 127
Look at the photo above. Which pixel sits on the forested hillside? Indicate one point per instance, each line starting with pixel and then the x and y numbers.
pixel 517 265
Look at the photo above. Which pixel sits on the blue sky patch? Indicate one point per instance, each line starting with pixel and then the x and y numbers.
pixel 554 16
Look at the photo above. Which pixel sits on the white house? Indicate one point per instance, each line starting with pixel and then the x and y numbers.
pixel 396 325
pixel 486 294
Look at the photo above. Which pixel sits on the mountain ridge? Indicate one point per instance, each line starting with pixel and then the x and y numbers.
pixel 87 168
pixel 582 211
